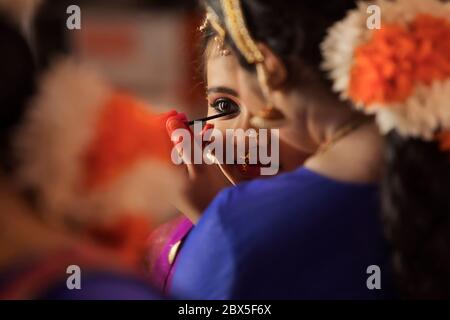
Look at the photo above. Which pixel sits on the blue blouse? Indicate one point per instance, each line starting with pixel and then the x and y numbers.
pixel 299 235
pixel 103 286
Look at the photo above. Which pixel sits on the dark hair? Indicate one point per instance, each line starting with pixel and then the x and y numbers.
pixel 416 183
pixel 50 32
pixel 17 83
pixel 416 211
pixel 294 30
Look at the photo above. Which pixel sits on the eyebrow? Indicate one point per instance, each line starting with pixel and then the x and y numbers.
pixel 222 90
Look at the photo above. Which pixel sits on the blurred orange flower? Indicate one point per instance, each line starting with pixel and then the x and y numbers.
pixel 398 58
pixel 127 132
pixel 126 237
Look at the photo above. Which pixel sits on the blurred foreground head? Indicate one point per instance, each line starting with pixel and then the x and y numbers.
pixel 88 149
pixel 84 151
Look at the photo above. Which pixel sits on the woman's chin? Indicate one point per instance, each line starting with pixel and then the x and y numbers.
pixel 249 171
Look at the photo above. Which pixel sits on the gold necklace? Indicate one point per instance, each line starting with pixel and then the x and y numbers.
pixel 341 133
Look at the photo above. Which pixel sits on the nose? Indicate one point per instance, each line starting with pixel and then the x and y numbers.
pixel 243 120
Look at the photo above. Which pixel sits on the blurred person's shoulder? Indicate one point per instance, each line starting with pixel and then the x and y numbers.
pixel 79 272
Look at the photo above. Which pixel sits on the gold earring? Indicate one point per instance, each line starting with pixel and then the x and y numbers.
pixel 269 117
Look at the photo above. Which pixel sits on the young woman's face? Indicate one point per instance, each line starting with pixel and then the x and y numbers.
pixel 228 90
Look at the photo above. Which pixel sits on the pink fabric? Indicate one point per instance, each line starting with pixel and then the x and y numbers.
pixel 162 270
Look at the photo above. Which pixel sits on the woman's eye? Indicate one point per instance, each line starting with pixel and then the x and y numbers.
pixel 225 106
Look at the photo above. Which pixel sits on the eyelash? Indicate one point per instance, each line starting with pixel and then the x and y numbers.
pixel 225 105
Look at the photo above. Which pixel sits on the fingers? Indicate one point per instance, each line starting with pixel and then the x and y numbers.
pixel 206 132
pixel 179 122
pixel 207 127
pixel 206 135
pixel 165 116
pixel 195 143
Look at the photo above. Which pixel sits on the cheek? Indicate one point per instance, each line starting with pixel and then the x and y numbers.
pixel 239 122
pixel 293 138
pixel 219 125
pixel 223 125
pixel 288 133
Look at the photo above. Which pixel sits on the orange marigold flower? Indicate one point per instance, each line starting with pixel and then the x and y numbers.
pixel 126 132
pixel 398 58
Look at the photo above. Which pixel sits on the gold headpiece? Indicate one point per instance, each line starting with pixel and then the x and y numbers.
pixel 235 22
pixel 234 19
pixel 239 33
pixel 213 20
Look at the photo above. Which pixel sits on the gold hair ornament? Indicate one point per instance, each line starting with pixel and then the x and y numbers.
pixel 269 117
pixel 234 19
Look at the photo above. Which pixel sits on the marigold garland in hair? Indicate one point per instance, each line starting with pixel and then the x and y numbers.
pixel 397 58
pixel 401 72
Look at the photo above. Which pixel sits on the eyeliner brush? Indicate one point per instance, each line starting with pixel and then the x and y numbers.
pixel 220 115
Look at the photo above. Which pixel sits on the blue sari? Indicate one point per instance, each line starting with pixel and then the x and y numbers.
pixel 299 235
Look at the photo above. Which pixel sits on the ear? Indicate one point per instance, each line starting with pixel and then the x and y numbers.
pixel 275 68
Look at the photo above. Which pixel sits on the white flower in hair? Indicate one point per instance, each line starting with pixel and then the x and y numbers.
pixel 400 73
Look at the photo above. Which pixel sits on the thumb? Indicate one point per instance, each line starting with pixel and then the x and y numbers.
pixel 166 115
pixel 175 122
